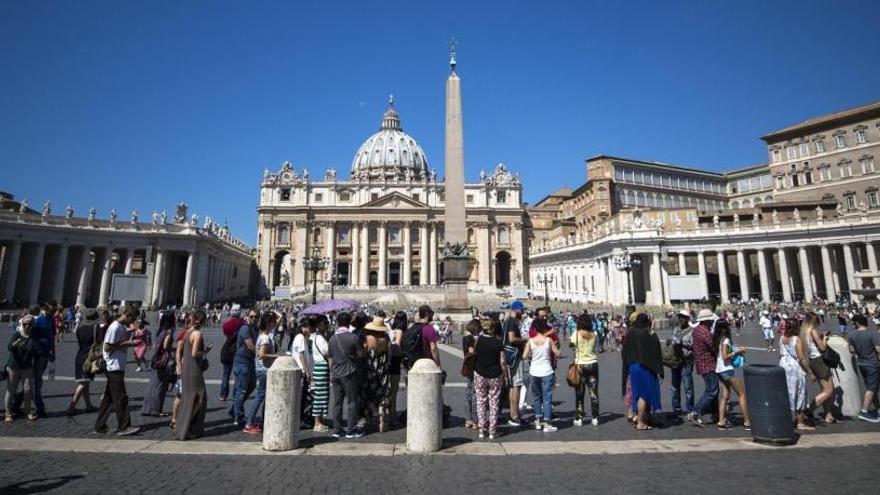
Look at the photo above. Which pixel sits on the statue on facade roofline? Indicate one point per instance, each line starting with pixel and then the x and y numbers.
pixel 797 215
pixel 93 214
pixel 180 213
pixel 163 218
pixel 47 208
pixel 69 213
pixel 154 218
pixel 330 175
pixel 113 215
pixel 23 206
pixel 775 216
pixel 134 217
pixel 736 220
pixel 820 213
pixel 194 220
pixel 716 221
pixel 305 174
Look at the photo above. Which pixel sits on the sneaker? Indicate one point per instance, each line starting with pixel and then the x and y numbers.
pixel 548 428
pixel 578 422
pixel 356 433
pixel 131 430
pixel 101 431
pixel 696 420
pixel 139 369
pixel 538 424
pixel 255 429
pixel 870 417
pixel 338 433
pixel 595 421
pixel 514 422
pixel 491 436
pixel 481 434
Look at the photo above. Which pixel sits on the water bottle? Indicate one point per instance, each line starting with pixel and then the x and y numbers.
pixel 51 370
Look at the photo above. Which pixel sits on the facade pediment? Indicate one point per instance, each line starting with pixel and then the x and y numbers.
pixel 396 200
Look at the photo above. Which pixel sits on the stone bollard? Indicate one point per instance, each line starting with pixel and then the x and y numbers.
pixel 283 397
pixel 424 407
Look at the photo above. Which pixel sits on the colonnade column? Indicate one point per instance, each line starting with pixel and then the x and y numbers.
pixel 425 255
pixel 300 251
pixel 104 293
pixel 722 277
pixel 763 276
pixel 830 289
pixel 743 274
pixel 13 253
pixel 704 280
pixel 158 278
pixel 783 275
pixel 656 279
pixel 383 254
pixel 682 264
pixel 407 254
pixel 129 261
pixel 36 273
pixel 850 271
pixel 331 246
pixel 84 269
pixel 354 271
pixel 187 284
pixel 806 278
pixel 61 271
pixel 365 254
pixel 872 261
pixel 432 253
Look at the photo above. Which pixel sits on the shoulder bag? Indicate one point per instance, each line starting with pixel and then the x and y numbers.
pixel 470 360
pixel 573 377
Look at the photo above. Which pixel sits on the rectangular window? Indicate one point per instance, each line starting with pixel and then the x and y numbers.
pixel 319 198
pixel 780 182
pixel 344 197
pixel 820 146
pixel 469 199
pixel 285 194
pixel 872 199
pixel 374 196
pixel 826 173
pixel 840 141
pixel 808 178
pixel 804 149
pixel 417 196
pixel 501 197
pixel 790 152
pixel 862 136
pixel 795 180
pixel 850 201
pixel 777 156
pixel 867 165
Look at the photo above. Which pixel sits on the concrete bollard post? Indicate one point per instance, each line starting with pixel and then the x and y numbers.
pixel 283 402
pixel 424 407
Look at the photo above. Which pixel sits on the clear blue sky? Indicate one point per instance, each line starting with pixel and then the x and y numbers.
pixel 139 105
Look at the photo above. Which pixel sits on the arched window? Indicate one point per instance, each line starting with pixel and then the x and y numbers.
pixel 283 234
pixel 470 236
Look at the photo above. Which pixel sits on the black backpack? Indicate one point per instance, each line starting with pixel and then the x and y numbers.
pixel 227 352
pixel 411 344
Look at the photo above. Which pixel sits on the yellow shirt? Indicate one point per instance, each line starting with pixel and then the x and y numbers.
pixel 585 349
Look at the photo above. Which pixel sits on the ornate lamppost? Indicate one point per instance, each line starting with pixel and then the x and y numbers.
pixel 315 263
pixel 332 278
pixel 625 262
pixel 545 279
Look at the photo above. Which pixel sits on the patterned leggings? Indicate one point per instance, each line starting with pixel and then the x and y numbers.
pixel 488 402
pixel 470 402
pixel 589 381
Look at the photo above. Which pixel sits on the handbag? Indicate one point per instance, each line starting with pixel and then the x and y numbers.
pixel 738 360
pixel 573 377
pixel 469 362
pixel 94 364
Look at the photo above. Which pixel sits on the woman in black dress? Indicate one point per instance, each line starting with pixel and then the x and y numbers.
pixel 194 400
pixel 86 335
pixel 160 379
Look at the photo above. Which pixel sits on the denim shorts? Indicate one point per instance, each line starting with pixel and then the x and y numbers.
pixel 871 375
pixel 768 333
pixel 178 387
pixel 727 375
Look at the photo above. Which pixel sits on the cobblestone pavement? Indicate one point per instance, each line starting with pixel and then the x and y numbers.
pixel 729 472
pixel 219 427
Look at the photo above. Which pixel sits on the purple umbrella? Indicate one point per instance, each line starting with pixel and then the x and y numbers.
pixel 330 306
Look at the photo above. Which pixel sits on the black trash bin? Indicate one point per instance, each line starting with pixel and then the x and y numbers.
pixel 767 393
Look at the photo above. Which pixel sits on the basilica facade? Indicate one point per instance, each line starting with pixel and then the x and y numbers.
pixel 383 226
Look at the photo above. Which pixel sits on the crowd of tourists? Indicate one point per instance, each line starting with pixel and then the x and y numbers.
pixel 352 364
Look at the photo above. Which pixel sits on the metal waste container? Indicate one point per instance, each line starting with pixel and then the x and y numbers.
pixel 767 393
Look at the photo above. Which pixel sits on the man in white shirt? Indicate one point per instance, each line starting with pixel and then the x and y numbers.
pixel 767 328
pixel 116 344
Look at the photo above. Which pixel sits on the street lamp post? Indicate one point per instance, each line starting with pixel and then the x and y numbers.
pixel 331 279
pixel 545 279
pixel 315 263
pixel 626 262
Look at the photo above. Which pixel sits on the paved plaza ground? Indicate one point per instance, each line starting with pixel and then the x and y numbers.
pixel 61 453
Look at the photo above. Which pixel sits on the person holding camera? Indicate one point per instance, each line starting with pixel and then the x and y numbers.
pixel 115 398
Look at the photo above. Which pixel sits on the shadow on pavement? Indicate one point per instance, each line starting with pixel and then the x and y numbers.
pixel 39 485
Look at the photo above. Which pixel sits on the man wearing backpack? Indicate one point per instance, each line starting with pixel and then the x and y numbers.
pixel 683 372
pixel 420 339
pixel 227 353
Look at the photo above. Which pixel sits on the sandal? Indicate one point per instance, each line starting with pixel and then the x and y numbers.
pixel 805 427
pixel 8 419
pixel 32 417
pixel 644 428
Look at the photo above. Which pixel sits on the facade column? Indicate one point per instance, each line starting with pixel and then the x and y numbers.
pixel 872 261
pixel 300 251
pixel 187 284
pixel 850 272
pixel 383 254
pixel 485 259
pixel 106 270
pixel 682 264
pixel 519 252
pixel 704 280
pixel 656 279
pixel 664 281
pixel 432 253
pixel 158 279
pixel 743 275
pixel 331 246
pixel 84 269
pixel 354 271
pixel 783 276
pixel 13 254
pixel 722 277
pixel 36 273
pixel 61 271
pixel 763 276
pixel 129 261
pixel 806 277
pixel 407 254
pixel 830 289
pixel 425 257
pixel 365 254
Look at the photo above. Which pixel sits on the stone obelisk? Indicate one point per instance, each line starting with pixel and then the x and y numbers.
pixel 456 259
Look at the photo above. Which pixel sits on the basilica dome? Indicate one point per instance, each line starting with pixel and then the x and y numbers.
pixel 390 153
